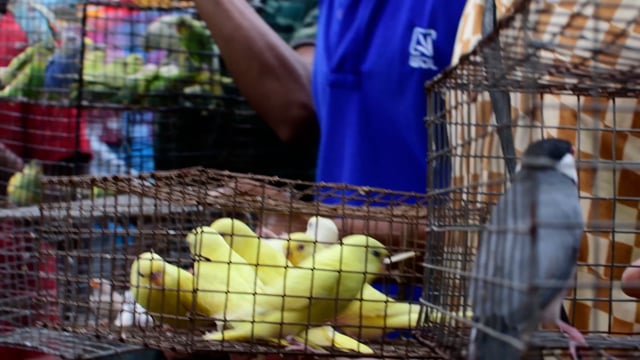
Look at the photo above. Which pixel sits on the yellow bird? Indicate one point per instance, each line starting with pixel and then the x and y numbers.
pixel 225 282
pixel 301 246
pixel 271 263
pixel 313 293
pixel 326 336
pixel 207 244
pixel 165 291
pixel 373 313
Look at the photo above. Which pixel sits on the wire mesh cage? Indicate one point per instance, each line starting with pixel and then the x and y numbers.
pixel 105 244
pixel 19 274
pixel 111 88
pixel 550 69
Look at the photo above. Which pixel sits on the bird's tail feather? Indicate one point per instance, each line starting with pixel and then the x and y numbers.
pixel 485 346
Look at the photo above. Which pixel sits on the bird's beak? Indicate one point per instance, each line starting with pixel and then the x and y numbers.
pixel 398 257
pixel 94 283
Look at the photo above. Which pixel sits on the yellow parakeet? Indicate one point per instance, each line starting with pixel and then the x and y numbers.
pixel 313 293
pixel 271 263
pixel 225 282
pixel 165 291
pixel 373 313
pixel 302 246
pixel 207 245
pixel 326 336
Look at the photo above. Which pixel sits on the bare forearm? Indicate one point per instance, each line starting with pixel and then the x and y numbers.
pixel 273 78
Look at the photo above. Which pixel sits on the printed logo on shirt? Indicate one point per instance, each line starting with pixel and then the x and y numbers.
pixel 421 48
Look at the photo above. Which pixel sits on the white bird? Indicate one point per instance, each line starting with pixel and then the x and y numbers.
pixel 104 302
pixel 132 313
pixel 110 305
pixel 323 230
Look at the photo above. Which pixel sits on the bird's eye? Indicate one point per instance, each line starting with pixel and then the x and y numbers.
pixel 300 247
pixel 376 253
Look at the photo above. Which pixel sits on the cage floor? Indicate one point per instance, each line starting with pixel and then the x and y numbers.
pixel 548 345
pixel 183 341
pixel 94 343
pixel 554 345
pixel 63 344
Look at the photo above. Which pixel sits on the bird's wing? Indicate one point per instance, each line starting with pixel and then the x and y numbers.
pixel 300 286
pixel 559 235
pixel 501 256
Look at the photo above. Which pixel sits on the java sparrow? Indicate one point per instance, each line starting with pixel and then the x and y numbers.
pixel 527 254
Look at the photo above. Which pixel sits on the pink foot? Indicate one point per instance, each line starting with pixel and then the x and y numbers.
pixel 295 345
pixel 266 233
pixel 575 336
pixel 166 327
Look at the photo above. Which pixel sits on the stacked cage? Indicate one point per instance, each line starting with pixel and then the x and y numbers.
pixel 198 251
pixel 106 88
pixel 125 87
pixel 549 69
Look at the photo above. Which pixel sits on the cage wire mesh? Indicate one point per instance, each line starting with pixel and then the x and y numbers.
pixel 95 239
pixel 19 270
pixel 182 106
pixel 110 88
pixel 568 70
pixel 25 342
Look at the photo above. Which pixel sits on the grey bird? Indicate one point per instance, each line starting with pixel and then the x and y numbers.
pixel 527 254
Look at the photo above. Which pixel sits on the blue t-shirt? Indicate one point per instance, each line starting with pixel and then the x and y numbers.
pixel 372 61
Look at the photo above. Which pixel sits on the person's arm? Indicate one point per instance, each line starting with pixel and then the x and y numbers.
pixel 307 53
pixel 274 79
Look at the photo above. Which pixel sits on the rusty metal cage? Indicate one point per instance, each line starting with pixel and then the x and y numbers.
pixel 106 87
pixel 98 235
pixel 20 310
pixel 549 69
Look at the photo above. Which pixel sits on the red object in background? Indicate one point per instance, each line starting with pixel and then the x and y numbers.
pixel 43 132
pixel 16 354
pixel 23 276
pixel 13 40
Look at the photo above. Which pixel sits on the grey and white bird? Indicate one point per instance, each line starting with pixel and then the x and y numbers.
pixel 132 313
pixel 527 254
pixel 111 305
pixel 104 301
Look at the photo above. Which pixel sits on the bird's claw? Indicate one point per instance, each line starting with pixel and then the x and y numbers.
pixel 165 327
pixel 575 336
pixel 295 345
